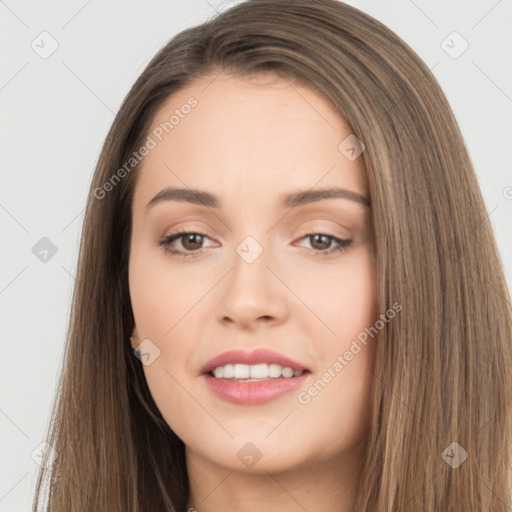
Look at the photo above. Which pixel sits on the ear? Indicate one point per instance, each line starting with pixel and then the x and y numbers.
pixel 134 338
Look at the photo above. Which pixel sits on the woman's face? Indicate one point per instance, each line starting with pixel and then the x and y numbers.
pixel 256 273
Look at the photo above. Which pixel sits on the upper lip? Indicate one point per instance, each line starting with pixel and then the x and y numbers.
pixel 260 355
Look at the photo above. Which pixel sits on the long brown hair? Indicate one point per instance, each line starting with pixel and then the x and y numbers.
pixel 443 383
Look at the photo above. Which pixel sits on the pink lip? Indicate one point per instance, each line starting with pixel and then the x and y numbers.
pixel 260 355
pixel 253 393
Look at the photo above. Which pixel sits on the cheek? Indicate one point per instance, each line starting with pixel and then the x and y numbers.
pixel 343 296
pixel 160 294
pixel 160 302
pixel 353 317
pixel 357 300
pixel 340 393
pixel 348 307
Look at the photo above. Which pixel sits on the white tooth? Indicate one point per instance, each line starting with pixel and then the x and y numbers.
pixel 241 371
pixel 287 372
pixel 228 371
pixel 274 370
pixel 259 371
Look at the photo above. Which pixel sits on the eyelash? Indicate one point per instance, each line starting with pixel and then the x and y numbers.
pixel 165 241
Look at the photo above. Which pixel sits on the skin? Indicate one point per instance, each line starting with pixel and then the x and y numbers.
pixel 248 141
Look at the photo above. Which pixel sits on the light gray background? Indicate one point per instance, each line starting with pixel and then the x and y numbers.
pixel 56 113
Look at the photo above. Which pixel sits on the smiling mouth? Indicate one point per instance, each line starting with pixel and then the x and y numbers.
pixel 239 372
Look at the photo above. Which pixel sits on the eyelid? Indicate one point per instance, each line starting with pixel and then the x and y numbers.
pixel 338 231
pixel 308 229
pixel 179 233
pixel 340 243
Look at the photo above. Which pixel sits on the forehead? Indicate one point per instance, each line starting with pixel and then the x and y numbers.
pixel 247 136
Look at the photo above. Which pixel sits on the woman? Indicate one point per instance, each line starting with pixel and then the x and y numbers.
pixel 288 292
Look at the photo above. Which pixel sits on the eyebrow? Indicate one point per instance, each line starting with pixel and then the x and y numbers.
pixel 290 200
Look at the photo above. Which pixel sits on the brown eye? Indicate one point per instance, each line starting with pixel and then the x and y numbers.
pixel 191 241
pixel 321 243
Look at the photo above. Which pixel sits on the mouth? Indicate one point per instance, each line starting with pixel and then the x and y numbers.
pixel 256 364
pixel 240 372
pixel 251 378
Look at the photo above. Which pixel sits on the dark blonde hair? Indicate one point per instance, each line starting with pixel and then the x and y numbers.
pixel 443 366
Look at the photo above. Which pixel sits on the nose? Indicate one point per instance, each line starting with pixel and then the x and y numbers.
pixel 252 294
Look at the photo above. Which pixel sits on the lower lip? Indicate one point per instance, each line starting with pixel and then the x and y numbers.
pixel 253 393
